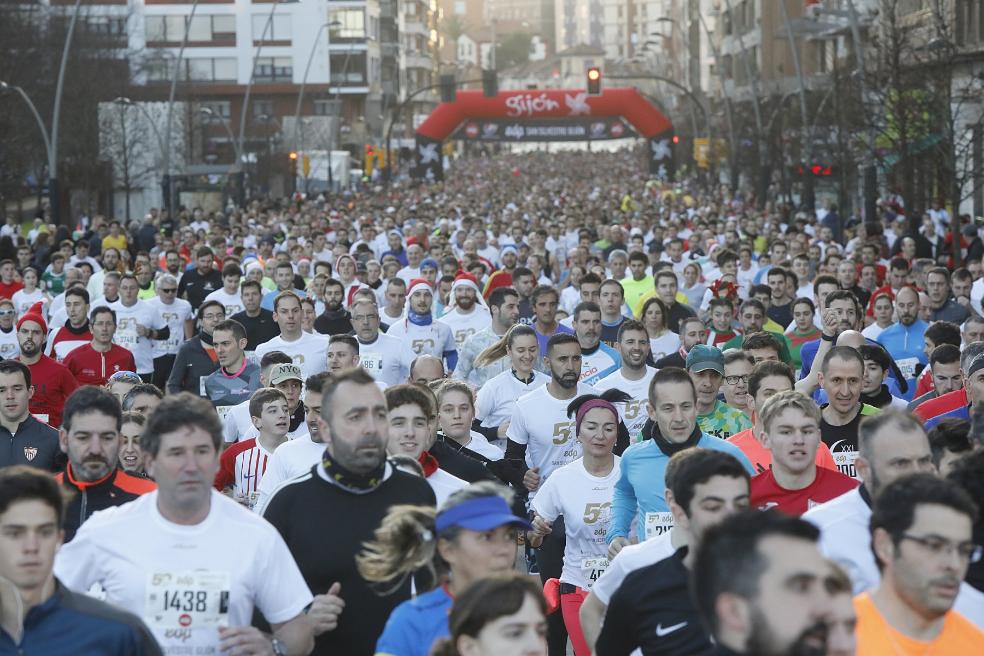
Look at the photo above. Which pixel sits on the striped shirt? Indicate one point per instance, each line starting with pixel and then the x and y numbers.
pixel 241 468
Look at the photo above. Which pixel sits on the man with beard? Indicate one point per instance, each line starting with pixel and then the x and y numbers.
pixel 672 427
pixel 75 332
pixel 335 320
pixel 841 373
pixel 201 281
pixel 892 444
pixel 91 438
pixel 53 382
pixel 921 534
pixel 418 331
pixel 904 339
pixel 652 609
pixel 466 315
pixel 504 307
pixel 351 490
pixel 760 585
pixel 632 377
pixel 524 283
pixel 597 358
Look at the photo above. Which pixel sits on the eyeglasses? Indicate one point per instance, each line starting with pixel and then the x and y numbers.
pixel 734 380
pixel 8 313
pixel 172 290
pixel 359 318
pixel 938 546
pixel 214 317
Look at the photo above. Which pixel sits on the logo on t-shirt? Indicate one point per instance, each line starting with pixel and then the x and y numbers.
pixel 30 452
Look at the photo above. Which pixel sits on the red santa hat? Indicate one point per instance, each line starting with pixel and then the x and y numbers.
pixel 419 285
pixel 465 279
pixel 496 280
pixel 35 315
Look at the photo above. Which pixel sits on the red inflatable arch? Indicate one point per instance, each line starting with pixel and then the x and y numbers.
pixel 533 104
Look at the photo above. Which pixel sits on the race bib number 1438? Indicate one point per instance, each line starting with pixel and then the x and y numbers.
pixel 184 600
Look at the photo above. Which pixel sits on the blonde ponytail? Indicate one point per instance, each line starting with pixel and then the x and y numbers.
pixel 404 543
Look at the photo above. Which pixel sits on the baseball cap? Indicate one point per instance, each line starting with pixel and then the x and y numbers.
pixel 285 372
pixel 703 357
pixel 125 377
pixel 481 514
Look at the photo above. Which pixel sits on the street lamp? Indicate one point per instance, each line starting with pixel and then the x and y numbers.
pixel 4 86
pixel 123 101
pixel 209 115
pixel 298 130
pixel 252 73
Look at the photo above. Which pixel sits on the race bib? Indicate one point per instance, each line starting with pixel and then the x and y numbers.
pixel 186 600
pixel 658 523
pixel 223 411
pixel 908 367
pixel 593 568
pixel 845 463
pixel 371 362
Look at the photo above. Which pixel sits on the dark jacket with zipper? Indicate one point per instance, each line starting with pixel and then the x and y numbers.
pixel 74 623
pixel 191 365
pixel 35 443
pixel 114 489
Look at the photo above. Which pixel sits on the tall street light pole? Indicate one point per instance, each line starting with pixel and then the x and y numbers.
pixel 37 117
pixel 166 179
pixel 56 119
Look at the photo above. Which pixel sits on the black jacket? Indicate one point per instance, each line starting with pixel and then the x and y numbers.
pixel 190 366
pixel 35 443
pixel 652 610
pixel 115 489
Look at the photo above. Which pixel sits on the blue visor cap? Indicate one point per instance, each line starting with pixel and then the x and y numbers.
pixel 481 514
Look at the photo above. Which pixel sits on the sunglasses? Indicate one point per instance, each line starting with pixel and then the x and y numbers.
pixel 172 290
pixel 7 313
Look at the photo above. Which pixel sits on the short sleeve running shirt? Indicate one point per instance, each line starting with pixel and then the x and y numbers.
pixel 184 581
pixel 723 421
pixel 585 501
pixel 632 413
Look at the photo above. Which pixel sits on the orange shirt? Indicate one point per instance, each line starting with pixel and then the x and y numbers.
pixel 876 637
pixel 761 458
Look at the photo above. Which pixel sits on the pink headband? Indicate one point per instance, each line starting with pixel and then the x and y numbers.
pixel 588 405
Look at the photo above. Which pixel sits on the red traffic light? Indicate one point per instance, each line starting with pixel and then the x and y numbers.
pixel 676 139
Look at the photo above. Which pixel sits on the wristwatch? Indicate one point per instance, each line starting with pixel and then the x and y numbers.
pixel 279 648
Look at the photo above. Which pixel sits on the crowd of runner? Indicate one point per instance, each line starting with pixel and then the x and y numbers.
pixel 549 406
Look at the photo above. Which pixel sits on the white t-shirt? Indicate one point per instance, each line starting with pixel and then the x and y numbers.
pixel 872 331
pixel 383 359
pixel 127 318
pixel 415 340
pixel 540 421
pixel 628 560
pixel 444 485
pixel 290 459
pixel 23 301
pixel 665 344
pixel 497 397
pixel 632 413
pixel 585 501
pixel 9 346
pixel 174 576
pixel 464 326
pixel 233 303
pixel 481 445
pixel 408 273
pixel 175 314
pixel 309 352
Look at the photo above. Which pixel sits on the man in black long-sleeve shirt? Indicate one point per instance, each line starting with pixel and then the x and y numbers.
pixel 201 281
pixel 349 494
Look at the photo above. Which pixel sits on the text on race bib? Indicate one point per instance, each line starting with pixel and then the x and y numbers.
pixel 183 600
pixel 371 361
pixel 593 568
pixel 658 523
pixel 845 463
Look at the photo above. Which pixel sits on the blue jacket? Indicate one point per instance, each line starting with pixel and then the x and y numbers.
pixel 70 623
pixel 906 345
pixel 641 486
pixel 416 624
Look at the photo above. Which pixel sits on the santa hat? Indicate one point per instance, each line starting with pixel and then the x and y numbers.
pixel 352 290
pixel 465 279
pixel 35 315
pixel 496 280
pixel 419 285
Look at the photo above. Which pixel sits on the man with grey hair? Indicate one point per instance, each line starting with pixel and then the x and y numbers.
pixel 178 315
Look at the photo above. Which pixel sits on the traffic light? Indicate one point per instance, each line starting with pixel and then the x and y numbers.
pixel 449 90
pixel 676 139
pixel 293 164
pixel 594 81
pixel 490 84
pixel 370 159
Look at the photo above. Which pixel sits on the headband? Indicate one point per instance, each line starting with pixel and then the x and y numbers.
pixel 588 405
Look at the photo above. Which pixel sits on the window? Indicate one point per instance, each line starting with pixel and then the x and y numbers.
pixel 207 69
pixel 327 107
pixel 278 29
pixel 170 29
pixel 262 108
pixel 274 69
pixel 352 24
pixel 348 68
pixel 222 108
